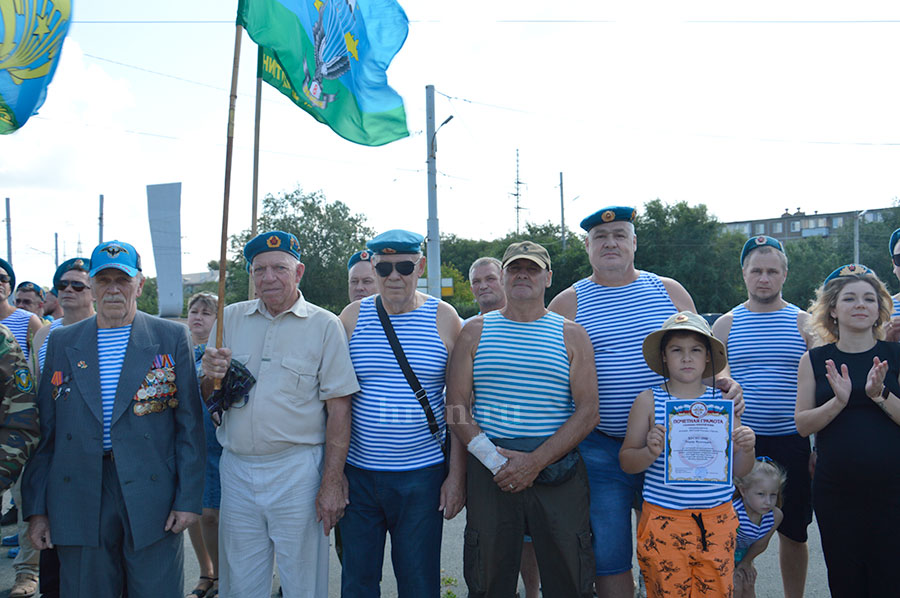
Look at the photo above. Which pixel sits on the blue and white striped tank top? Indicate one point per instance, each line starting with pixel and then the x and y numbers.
pixel 389 430
pixel 111 346
pixel 617 320
pixel 748 532
pixel 764 349
pixel 896 311
pixel 680 496
pixel 42 351
pixel 521 377
pixel 17 322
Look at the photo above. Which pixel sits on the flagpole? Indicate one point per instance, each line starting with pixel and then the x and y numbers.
pixel 251 292
pixel 229 150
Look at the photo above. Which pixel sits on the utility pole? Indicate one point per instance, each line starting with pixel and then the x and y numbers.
pixel 101 220
pixel 56 249
pixel 8 235
pixel 433 241
pixel 562 213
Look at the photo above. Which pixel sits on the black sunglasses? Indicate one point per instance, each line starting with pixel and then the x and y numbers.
pixel 62 285
pixel 896 258
pixel 384 269
pixel 4 278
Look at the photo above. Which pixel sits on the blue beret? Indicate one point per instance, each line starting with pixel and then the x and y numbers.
pixel 895 236
pixel 396 241
pixel 27 285
pixel 115 254
pixel 12 275
pixel 848 270
pixel 75 263
pixel 359 256
pixel 54 292
pixel 609 214
pixel 757 242
pixel 276 240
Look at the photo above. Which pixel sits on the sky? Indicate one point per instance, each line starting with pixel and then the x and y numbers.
pixel 748 108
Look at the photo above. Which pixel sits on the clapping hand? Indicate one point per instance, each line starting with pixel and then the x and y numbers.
pixel 840 382
pixel 875 379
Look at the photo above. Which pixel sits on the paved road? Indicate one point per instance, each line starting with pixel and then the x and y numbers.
pixel 768 583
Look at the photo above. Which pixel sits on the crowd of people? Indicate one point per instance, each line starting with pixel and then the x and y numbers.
pixel 282 426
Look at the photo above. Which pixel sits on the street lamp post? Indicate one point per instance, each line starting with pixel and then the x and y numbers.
pixel 434 234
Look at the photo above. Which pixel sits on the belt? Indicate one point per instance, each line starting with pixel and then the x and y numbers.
pixel 616 438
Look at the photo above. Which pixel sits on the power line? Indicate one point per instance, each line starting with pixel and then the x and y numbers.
pixel 449 97
pixel 140 68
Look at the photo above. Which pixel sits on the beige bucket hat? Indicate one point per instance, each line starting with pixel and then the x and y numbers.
pixel 689 322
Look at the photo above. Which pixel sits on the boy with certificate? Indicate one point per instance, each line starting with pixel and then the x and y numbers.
pixel 689 441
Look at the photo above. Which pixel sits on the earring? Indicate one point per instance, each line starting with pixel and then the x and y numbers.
pixel 834 320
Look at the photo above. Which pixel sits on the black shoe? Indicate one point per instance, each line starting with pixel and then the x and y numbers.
pixel 11 517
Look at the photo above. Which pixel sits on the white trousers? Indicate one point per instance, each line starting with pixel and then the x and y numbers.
pixel 269 510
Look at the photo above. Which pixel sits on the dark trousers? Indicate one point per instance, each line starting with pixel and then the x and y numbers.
pixel 404 504
pixel 556 517
pixel 49 573
pixel 156 571
pixel 859 528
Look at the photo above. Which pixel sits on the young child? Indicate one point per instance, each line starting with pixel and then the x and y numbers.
pixel 756 504
pixel 686 535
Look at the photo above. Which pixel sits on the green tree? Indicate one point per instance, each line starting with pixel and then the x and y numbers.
pixel 148 302
pixel 328 233
pixel 688 244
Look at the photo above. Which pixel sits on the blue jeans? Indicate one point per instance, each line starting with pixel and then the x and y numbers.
pixel 404 503
pixel 613 494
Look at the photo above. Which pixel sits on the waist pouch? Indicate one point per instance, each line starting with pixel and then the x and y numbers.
pixel 554 474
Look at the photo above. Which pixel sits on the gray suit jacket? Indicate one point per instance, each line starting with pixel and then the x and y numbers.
pixel 159 457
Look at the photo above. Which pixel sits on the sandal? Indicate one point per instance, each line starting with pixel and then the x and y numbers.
pixel 200 592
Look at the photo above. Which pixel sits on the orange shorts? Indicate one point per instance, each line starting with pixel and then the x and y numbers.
pixel 687 553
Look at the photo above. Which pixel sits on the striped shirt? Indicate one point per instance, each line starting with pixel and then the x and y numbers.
pixel 749 532
pixel 42 351
pixel 521 377
pixel 617 320
pixel 675 495
pixel 111 346
pixel 389 430
pixel 764 349
pixel 17 322
pixel 896 307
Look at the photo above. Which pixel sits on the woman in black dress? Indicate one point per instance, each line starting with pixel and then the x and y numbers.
pixel 849 396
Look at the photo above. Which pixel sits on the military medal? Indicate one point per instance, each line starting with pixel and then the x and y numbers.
pixel 173 403
pixel 82 365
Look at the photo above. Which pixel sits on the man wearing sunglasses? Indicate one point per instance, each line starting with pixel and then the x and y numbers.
pixel 766 337
pixel 79 305
pixel 73 285
pixel 282 464
pixel 119 471
pixel 396 466
pixel 22 323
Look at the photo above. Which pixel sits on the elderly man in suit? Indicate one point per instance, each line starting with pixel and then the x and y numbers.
pixel 118 474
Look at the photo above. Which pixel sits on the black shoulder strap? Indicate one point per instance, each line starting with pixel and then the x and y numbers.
pixel 411 379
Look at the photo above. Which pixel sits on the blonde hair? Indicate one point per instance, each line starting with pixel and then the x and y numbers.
pixel 207 299
pixel 823 325
pixel 763 468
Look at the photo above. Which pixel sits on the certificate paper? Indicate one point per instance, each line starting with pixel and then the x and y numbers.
pixel 698 446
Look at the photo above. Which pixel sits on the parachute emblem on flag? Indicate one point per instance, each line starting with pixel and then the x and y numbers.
pixel 31 38
pixel 333 44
